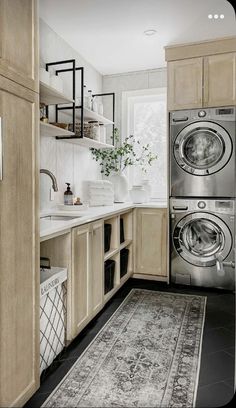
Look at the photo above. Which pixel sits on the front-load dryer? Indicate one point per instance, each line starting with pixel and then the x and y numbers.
pixel 202 242
pixel 202 152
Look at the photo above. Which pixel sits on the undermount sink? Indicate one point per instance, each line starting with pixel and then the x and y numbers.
pixel 60 217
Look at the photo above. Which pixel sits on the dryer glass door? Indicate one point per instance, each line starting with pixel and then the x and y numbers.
pixel 200 238
pixel 202 148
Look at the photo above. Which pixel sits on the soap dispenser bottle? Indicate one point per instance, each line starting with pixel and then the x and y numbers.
pixel 68 196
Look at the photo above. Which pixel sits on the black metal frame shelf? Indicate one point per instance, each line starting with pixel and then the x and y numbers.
pixel 74 106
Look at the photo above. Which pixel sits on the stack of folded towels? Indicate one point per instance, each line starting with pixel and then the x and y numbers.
pixel 100 192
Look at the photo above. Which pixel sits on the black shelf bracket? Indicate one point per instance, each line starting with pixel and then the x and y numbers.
pixel 74 106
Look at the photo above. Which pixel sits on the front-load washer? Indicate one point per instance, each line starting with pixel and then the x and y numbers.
pixel 202 152
pixel 202 242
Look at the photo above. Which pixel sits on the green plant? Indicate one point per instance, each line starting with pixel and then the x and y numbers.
pixel 123 155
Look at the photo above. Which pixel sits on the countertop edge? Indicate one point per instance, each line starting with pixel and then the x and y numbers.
pixel 97 213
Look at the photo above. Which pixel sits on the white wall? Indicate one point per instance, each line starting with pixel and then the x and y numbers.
pixel 68 162
pixel 156 78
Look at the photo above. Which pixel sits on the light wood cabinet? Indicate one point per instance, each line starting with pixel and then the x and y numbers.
pixel 97 268
pixel 19 41
pixel 87 274
pixel 151 242
pixel 185 84
pixel 19 245
pixel 202 74
pixel 220 80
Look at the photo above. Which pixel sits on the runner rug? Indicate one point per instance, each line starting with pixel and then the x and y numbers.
pixel 147 355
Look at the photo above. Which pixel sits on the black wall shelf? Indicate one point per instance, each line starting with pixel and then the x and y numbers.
pixel 73 69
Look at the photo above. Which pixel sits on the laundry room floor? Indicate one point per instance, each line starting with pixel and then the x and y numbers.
pixel 216 379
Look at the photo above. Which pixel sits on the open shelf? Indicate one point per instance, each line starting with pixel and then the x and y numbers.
pixel 87 142
pixel 110 254
pixel 50 96
pixel 52 131
pixel 89 115
pixel 126 243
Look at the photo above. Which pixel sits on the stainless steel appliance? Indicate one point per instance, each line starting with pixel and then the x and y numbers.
pixel 202 152
pixel 202 242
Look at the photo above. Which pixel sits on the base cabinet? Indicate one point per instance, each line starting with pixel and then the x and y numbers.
pixel 151 242
pixel 87 274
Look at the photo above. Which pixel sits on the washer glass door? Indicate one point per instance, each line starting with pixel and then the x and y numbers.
pixel 202 148
pixel 200 238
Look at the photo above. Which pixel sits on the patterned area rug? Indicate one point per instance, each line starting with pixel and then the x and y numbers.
pixel 147 355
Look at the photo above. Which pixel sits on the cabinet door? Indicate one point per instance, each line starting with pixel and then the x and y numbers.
pixel 220 80
pixel 81 258
pixel 19 246
pixel 19 41
pixel 151 241
pixel 97 268
pixel 185 84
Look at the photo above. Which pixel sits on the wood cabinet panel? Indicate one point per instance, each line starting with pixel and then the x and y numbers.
pixel 220 80
pixel 19 245
pixel 151 242
pixel 19 41
pixel 81 247
pixel 96 283
pixel 185 84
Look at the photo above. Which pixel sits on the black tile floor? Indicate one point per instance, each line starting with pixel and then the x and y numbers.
pixel 216 379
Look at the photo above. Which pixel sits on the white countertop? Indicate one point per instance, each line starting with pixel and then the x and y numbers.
pixel 50 227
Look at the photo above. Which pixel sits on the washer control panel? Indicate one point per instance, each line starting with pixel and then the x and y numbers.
pixel 223 206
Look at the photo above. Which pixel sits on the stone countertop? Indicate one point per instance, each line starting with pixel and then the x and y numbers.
pixel 51 227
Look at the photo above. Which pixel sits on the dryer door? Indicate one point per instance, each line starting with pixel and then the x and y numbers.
pixel 202 148
pixel 200 238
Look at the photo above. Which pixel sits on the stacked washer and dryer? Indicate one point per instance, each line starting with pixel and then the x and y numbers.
pixel 202 197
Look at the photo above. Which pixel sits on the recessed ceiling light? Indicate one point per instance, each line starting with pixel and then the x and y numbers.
pixel 222 16
pixel 210 16
pixel 150 32
pixel 216 16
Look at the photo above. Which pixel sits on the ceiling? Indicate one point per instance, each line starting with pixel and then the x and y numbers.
pixel 109 33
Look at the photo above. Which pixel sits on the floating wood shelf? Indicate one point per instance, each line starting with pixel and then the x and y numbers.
pixel 52 131
pixel 50 96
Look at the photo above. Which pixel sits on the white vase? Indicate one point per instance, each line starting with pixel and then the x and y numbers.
pixel 147 187
pixel 120 184
pixel 138 194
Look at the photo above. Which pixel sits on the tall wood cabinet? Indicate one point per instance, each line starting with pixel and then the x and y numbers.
pixel 19 232
pixel 151 242
pixel 202 74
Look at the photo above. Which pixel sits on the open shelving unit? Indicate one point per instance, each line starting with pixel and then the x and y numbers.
pixel 50 96
pixel 116 246
pixel 46 129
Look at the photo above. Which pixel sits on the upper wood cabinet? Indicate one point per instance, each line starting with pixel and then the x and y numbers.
pixel 202 74
pixel 87 274
pixel 19 41
pixel 220 80
pixel 151 242
pixel 185 84
pixel 19 245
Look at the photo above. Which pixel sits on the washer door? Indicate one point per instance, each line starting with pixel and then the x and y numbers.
pixel 200 238
pixel 202 148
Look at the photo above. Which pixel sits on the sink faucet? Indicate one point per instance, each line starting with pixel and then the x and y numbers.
pixel 52 177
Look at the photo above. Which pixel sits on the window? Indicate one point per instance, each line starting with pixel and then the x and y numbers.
pixel 145 116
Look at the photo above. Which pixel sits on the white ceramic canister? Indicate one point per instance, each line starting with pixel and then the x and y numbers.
pixel 95 130
pixel 147 187
pixel 138 195
pixel 44 76
pixel 56 83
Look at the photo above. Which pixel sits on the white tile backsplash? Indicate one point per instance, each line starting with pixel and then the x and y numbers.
pixel 68 162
